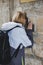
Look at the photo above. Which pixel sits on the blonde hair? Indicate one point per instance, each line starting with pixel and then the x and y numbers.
pixel 17 16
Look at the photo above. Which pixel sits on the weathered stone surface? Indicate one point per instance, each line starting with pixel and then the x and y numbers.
pixel 4 12
pixel 40 24
pixel 28 51
pixel 32 61
pixel 38 38
pixel 38 50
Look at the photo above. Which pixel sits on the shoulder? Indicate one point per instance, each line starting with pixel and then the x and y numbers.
pixel 7 25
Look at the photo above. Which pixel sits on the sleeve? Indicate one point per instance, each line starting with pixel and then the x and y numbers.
pixel 25 40
pixel 29 33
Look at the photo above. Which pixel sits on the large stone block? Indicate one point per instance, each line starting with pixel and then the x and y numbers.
pixel 4 12
pixel 38 50
pixel 32 61
pixel 38 38
pixel 28 51
pixel 40 24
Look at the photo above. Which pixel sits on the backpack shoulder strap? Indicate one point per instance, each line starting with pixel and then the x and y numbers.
pixel 13 28
pixel 16 51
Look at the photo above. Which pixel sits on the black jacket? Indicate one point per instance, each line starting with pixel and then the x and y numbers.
pixel 29 33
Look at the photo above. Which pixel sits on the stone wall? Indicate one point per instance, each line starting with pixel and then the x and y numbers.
pixel 34 11
pixel 4 11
